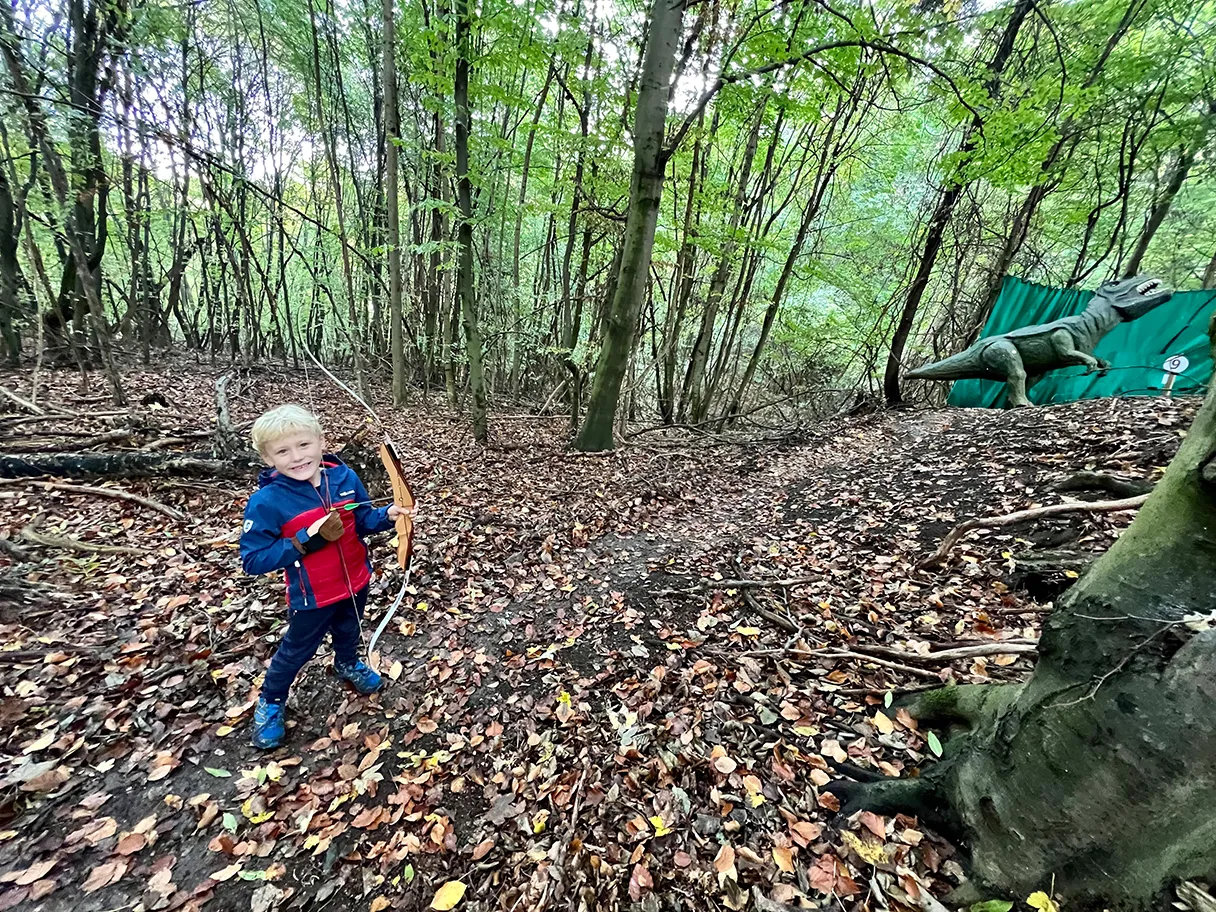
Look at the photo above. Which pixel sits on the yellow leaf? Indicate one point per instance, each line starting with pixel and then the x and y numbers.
pixel 807 731
pixel 1071 574
pixel 660 828
pixel 1041 901
pixel 448 896
pixel 869 852
pixel 882 723
pixel 748 631
pixel 380 903
pixel 251 816
pixel 784 858
pixel 224 731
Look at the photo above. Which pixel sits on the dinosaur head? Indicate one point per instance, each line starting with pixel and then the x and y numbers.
pixel 1133 298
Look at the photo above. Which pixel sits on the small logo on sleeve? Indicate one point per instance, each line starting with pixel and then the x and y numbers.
pixel 248 525
pixel 345 493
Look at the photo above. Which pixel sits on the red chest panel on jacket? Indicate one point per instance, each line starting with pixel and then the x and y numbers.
pixel 338 569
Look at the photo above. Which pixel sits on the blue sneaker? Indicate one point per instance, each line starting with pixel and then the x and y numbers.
pixel 360 677
pixel 269 724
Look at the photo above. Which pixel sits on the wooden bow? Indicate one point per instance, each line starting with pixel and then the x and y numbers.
pixel 403 497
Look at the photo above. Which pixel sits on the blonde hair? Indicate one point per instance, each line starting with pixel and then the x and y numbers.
pixel 281 421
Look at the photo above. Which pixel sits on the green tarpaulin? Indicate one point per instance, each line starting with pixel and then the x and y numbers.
pixel 1136 350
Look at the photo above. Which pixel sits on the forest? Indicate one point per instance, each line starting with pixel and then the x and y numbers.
pixel 674 216
pixel 699 601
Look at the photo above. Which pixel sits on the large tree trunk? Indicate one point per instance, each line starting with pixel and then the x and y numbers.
pixel 1097 774
pixel 645 191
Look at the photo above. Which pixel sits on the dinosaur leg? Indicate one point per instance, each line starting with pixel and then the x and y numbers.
pixel 1004 357
pixel 1066 350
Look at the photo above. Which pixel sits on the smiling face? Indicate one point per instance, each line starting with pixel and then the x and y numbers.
pixel 296 455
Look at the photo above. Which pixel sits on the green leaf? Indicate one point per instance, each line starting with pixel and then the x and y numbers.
pixel 888 699
pixel 992 905
pixel 218 773
pixel 229 822
pixel 251 875
pixel 408 874
pixel 934 744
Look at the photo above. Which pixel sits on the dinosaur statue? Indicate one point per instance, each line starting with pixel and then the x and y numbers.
pixel 1022 356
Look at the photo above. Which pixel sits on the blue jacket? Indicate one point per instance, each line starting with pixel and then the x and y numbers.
pixel 275 534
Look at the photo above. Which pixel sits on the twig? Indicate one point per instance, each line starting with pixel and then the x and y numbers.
pixel 950 655
pixel 771 616
pixel 952 538
pixel 1123 663
pixel 30 534
pixel 113 493
pixel 21 401
pixel 715 585
pixel 832 652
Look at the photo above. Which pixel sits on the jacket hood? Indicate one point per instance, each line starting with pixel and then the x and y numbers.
pixel 269 476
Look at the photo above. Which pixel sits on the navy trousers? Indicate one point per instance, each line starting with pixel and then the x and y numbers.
pixel 305 631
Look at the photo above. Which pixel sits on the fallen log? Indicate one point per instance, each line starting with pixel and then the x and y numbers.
pixel 125 465
pixel 1115 485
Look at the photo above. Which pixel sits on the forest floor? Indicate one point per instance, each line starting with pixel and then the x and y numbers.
pixel 582 711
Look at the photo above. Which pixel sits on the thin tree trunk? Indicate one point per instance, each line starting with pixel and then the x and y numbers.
pixel 464 232
pixel 939 221
pixel 391 136
pixel 1161 206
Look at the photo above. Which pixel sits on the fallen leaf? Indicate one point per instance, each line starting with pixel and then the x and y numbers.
pixel 640 882
pixel 447 896
pixel 784 858
pixel 380 903
pixel 992 905
pixel 130 844
pixel 29 875
pixel 873 823
pixel 482 849
pixel 805 832
pixel 867 851
pixel 882 723
pixel 105 874
pixel 1041 901
pixel 224 874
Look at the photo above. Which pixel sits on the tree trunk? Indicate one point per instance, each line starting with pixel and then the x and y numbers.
pixel 645 193
pixel 354 332
pixel 1060 153
pixel 391 136
pixel 1096 774
pixel 951 190
pixel 1161 206
pixel 464 233
pixel 693 401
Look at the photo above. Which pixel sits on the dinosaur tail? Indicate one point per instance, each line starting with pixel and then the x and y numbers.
pixel 955 367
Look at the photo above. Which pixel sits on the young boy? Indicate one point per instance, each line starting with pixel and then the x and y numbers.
pixel 294 522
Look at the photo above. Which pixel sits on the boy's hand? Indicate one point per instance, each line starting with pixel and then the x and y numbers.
pixel 329 526
pixel 394 511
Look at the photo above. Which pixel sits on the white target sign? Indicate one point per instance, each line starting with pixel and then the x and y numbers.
pixel 1176 365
